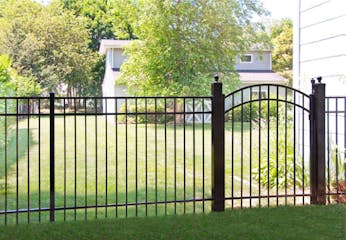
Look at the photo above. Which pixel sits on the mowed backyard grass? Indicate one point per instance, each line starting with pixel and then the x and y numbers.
pixel 98 162
pixel 307 222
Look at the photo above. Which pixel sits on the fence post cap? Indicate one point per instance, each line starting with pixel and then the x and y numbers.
pixel 216 77
pixel 319 79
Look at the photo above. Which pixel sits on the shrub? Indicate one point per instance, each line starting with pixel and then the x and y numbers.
pixel 11 84
pixel 283 175
pixel 253 108
pixel 142 117
pixel 287 171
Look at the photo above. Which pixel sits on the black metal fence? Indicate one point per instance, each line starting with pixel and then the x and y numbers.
pixel 336 149
pixel 268 146
pixel 146 156
pixel 84 158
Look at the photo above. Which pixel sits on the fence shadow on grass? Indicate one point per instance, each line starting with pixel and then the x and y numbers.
pixel 15 149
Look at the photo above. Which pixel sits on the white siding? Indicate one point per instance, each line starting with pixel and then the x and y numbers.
pixel 309 3
pixel 114 59
pixel 320 45
pixel 313 13
pixel 332 27
pixel 260 61
pixel 323 49
pixel 320 50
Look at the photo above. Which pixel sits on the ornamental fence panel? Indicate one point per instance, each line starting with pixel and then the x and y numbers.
pixel 79 158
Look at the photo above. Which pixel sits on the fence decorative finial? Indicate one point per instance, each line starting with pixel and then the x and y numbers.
pixel 216 77
pixel 319 79
pixel 313 81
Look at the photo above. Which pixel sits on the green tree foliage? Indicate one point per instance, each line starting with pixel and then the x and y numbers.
pixel 99 16
pixel 48 43
pixel 11 84
pixel 282 40
pixel 104 20
pixel 125 18
pixel 183 43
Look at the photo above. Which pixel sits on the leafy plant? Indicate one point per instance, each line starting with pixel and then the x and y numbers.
pixel 283 169
pixel 337 173
pixel 283 174
pixel 338 167
pixel 251 112
pixel 182 43
pixel 11 84
pixel 139 114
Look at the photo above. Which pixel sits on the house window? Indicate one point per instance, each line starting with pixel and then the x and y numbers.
pixel 116 58
pixel 246 58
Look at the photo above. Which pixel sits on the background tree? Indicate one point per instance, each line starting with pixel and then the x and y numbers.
pixel 48 43
pixel 104 20
pixel 99 16
pixel 183 43
pixel 282 42
pixel 12 84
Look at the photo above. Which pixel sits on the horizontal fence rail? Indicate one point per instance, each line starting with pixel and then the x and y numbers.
pixel 79 158
pixel 267 148
pixel 336 149
pixel 114 157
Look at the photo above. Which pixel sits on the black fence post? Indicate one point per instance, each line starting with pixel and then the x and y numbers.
pixel 52 157
pixel 218 146
pixel 317 143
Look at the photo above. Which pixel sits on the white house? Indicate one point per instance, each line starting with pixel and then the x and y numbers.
pixel 320 50
pixel 320 45
pixel 253 67
pixel 113 49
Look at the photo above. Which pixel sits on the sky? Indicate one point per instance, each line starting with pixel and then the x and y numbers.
pixel 280 8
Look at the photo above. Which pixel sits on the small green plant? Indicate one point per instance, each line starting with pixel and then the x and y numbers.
pixel 338 167
pixel 337 174
pixel 283 174
pixel 285 168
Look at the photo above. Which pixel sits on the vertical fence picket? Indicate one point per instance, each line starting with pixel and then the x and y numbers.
pixel 52 157
pixel 179 143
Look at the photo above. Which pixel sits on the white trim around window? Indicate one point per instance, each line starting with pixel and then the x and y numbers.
pixel 247 57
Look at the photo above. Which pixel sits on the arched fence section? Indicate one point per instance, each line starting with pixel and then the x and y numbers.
pixel 64 158
pixel 267 146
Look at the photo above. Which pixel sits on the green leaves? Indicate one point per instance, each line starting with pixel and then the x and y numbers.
pixel 11 84
pixel 48 44
pixel 183 43
pixel 282 40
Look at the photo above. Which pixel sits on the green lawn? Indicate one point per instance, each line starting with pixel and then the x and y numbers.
pixel 154 168
pixel 308 222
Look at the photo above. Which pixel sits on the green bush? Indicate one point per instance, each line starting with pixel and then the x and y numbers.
pixel 282 168
pixel 140 115
pixel 281 174
pixel 253 108
pixel 11 84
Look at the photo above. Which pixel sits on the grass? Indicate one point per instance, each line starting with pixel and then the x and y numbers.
pixel 85 176
pixel 308 222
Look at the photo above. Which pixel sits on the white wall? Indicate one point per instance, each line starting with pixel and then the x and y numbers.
pixel 260 61
pixel 114 59
pixel 320 50
pixel 320 45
